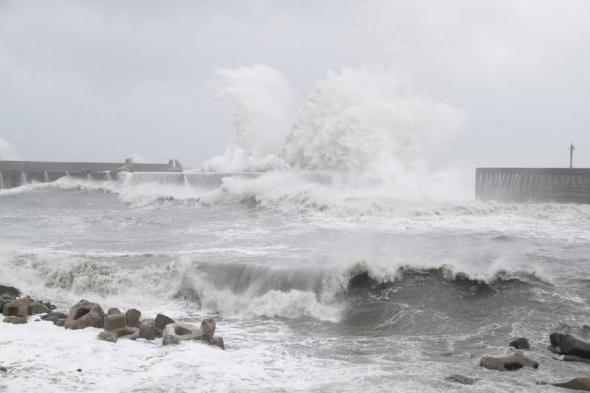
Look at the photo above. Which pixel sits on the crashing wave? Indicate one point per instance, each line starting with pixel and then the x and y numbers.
pixel 237 290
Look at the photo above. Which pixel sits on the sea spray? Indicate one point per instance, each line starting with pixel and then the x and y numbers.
pixel 261 103
pixel 356 125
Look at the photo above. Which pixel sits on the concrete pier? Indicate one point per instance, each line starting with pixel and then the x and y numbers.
pixel 17 173
pixel 563 185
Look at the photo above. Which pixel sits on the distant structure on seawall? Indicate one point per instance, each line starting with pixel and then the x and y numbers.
pixel 563 185
pixel 18 173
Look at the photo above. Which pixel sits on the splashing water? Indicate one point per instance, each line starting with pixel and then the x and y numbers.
pixel 262 106
pixel 356 125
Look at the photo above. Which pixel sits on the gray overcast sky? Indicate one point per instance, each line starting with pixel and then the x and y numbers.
pixel 100 80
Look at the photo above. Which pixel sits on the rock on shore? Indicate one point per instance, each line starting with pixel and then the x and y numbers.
pixel 507 363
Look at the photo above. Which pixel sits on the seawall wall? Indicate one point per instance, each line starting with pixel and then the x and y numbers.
pixel 17 173
pixel 563 185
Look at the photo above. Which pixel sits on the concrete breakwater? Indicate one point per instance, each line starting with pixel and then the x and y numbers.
pixel 17 173
pixel 563 185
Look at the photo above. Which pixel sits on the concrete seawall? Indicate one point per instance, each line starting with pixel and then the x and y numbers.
pixel 563 185
pixel 17 173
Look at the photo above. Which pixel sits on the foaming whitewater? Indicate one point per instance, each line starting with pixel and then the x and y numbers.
pixel 314 288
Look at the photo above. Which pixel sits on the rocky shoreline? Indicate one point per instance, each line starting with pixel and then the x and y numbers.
pixel 117 325
pixel 570 343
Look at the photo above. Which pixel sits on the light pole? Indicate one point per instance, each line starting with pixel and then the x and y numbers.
pixel 572 147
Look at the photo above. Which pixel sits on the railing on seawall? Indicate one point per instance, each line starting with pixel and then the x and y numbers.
pixel 562 185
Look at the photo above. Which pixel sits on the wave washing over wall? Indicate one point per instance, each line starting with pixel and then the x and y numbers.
pixel 356 126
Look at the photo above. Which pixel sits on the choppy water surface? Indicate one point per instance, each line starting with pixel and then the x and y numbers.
pixel 313 291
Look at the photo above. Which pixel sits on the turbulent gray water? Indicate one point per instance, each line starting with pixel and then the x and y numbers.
pixel 312 291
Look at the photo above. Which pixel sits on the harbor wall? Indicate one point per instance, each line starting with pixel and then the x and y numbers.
pixel 563 185
pixel 17 173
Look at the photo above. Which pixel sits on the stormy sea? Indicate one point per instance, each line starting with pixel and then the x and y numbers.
pixel 337 261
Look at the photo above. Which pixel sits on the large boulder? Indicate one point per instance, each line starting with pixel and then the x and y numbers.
pixel 113 322
pixel 217 342
pixel 58 318
pixel 133 315
pixel 507 363
pixel 569 344
pixel 575 384
pixel 574 358
pixel 178 331
pixel 125 332
pixel 85 314
pixel 161 322
pixel 15 319
pixel 207 329
pixel 10 291
pixel 40 308
pixel 147 329
pixel 20 307
pixel 113 310
pixel 520 343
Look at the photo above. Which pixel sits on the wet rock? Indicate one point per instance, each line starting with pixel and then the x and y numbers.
pixel 133 315
pixel 114 335
pixel 59 322
pixel 573 358
pixel 15 319
pixel 114 310
pixel 520 343
pixel 10 291
pixel 79 370
pixel 575 384
pixel 217 341
pixel 108 336
pixel 129 333
pixel 5 299
pixel 50 306
pixel 113 322
pixel 507 363
pixel 19 307
pixel 147 329
pixel 161 322
pixel 39 308
pixel 568 344
pixel 207 329
pixel 54 316
pixel 3 369
pixel 177 332
pixel 85 314
pixel 460 379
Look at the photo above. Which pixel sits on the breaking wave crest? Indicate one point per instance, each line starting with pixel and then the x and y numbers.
pixel 243 290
